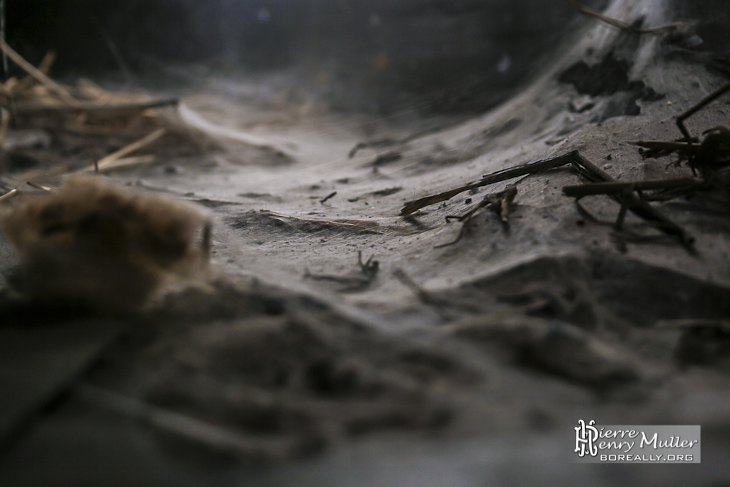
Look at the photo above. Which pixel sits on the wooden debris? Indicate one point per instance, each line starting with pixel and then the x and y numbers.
pixel 500 203
pixel 619 187
pixel 328 197
pixel 52 86
pixel 627 27
pixel 583 167
pixel 504 175
pixel 134 146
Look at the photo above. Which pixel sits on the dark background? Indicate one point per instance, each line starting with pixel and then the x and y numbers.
pixel 461 55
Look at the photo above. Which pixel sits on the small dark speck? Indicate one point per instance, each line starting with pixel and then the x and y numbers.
pixel 609 157
pixel 170 169
pixel 467 201
pixel 580 223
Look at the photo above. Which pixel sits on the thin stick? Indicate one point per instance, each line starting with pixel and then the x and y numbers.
pixel 498 202
pixel 669 145
pixel 699 106
pixel 633 203
pixel 126 162
pixel 134 146
pixel 618 187
pixel 623 25
pixel 328 197
pixel 2 36
pixel 5 117
pixel 38 186
pixel 511 173
pixel 95 108
pixel 52 86
pixel 9 194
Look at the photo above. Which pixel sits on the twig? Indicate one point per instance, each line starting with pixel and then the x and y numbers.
pixel 617 187
pixel 697 107
pixel 623 25
pixel 2 36
pixel 627 199
pixel 632 202
pixel 134 146
pixel 52 86
pixel 95 108
pixel 499 202
pixel 126 162
pixel 9 194
pixel 511 173
pixel 328 197
pixel 4 124
pixel 44 67
pixel 668 145
pixel 38 186
pixel 390 142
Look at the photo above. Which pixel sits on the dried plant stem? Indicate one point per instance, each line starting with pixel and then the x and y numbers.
pixel 631 202
pixel 52 86
pixel 619 187
pixel 511 173
pixel 623 25
pixel 9 194
pixel 697 107
pixel 134 146
pixel 95 108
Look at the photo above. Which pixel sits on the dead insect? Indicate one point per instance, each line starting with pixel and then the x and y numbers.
pixel 97 244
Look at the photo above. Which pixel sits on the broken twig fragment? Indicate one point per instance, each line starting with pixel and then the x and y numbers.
pixel 504 175
pixel 52 86
pixel 618 187
pixel 134 146
pixel 500 203
pixel 328 197
pixel 623 25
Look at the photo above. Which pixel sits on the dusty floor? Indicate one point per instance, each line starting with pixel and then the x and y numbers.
pixel 299 366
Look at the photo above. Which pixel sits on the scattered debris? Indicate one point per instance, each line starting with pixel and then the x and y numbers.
pixel 582 167
pixel 504 175
pixel 91 124
pixel 500 203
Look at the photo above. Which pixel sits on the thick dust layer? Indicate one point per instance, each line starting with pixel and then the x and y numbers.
pixel 342 344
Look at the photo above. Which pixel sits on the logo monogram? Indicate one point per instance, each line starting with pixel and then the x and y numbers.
pixel 585 437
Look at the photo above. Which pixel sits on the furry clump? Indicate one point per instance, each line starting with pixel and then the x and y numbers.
pixel 97 244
